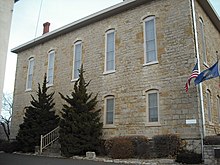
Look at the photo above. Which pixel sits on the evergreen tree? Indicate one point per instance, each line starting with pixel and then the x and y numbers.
pixel 39 119
pixel 80 127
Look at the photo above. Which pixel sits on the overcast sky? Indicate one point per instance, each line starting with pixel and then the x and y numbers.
pixel 58 13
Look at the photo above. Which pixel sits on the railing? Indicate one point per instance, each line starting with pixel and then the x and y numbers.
pixel 46 140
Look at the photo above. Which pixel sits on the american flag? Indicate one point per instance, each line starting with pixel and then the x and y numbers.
pixel 195 73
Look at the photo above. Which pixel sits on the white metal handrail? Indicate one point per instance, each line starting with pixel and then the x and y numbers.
pixel 46 140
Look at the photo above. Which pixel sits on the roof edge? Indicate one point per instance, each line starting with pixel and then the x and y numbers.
pixel 105 13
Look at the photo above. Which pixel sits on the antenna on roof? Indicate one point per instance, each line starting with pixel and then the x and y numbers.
pixel 38 18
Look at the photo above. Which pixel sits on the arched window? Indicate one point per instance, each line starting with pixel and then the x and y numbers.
pixel 50 68
pixel 201 25
pixel 77 59
pixel 152 106
pixel 150 43
pixel 218 108
pixel 30 73
pixel 209 105
pixel 109 110
pixel 110 51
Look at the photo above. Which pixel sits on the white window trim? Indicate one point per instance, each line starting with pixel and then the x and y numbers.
pixel 29 62
pixel 148 123
pixel 218 108
pixel 145 48
pixel 209 106
pixel 51 84
pixel 105 69
pixel 105 125
pixel 74 49
pixel 204 54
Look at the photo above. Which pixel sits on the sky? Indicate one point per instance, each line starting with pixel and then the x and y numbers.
pixel 27 23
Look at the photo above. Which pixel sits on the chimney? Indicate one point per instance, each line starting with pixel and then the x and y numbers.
pixel 46 27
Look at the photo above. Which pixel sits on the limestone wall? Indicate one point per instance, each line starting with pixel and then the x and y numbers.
pixel 175 46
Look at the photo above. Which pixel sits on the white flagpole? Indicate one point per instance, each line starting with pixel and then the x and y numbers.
pixel 202 115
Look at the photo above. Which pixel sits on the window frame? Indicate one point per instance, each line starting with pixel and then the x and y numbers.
pixel 209 105
pixel 74 59
pixel 106 110
pixel 218 108
pixel 51 52
pixel 107 71
pixel 30 60
pixel 148 122
pixel 204 53
pixel 146 62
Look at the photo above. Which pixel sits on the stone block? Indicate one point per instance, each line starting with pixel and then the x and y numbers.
pixel 90 155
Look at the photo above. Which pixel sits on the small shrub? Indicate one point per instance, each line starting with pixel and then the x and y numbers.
pixel 167 145
pixel 108 145
pixel 122 148
pixel 9 147
pixel 189 157
pixel 212 140
pixel 145 150
pixel 135 140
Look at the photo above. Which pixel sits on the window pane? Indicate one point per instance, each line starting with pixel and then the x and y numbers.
pixel 77 60
pixel 153 107
pixel 30 73
pixel 109 117
pixel 203 41
pixel 209 106
pixel 150 45
pixel 150 35
pixel 109 110
pixel 50 71
pixel 151 56
pixel 110 52
pixel 218 108
pixel 150 25
pixel 150 40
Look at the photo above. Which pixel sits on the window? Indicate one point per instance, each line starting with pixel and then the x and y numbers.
pixel 203 40
pixel 110 51
pixel 208 97
pixel 50 71
pixel 30 74
pixel 150 43
pixel 152 98
pixel 77 59
pixel 109 110
pixel 218 108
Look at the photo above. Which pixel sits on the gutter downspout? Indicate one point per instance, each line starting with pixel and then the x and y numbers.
pixel 201 109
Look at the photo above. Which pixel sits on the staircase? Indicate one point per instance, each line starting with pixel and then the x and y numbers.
pixel 49 143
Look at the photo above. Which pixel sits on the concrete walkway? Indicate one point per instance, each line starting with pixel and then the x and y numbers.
pixel 20 159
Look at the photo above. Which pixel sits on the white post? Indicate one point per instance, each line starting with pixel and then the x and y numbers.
pixel 202 114
pixel 41 144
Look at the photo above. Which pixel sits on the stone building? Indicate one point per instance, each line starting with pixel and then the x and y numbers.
pixel 139 55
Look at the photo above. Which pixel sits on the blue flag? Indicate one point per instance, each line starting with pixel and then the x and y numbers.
pixel 207 74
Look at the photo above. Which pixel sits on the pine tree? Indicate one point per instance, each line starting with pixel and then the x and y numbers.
pixel 39 119
pixel 80 126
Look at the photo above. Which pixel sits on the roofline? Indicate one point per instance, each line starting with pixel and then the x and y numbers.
pixel 210 11
pixel 108 12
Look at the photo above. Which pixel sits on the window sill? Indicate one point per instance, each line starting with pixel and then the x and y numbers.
pixel 151 63
pixel 110 126
pixel 153 124
pixel 74 80
pixel 109 72
pixel 49 85
pixel 28 90
pixel 205 64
